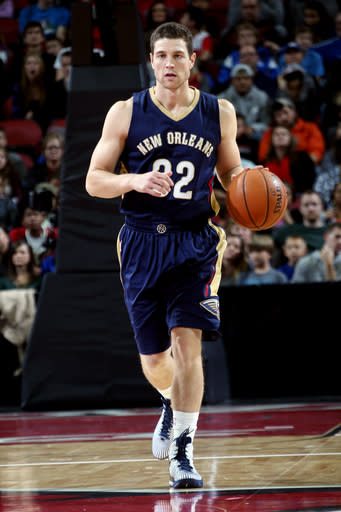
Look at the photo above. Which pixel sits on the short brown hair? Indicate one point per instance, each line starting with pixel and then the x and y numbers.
pixel 172 30
pixel 261 243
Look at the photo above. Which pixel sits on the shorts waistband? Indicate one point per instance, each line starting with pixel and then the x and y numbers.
pixel 161 227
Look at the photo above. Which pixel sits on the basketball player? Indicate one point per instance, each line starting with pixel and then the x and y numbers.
pixel 169 139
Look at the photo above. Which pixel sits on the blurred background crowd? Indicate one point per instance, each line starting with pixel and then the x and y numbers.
pixel 277 61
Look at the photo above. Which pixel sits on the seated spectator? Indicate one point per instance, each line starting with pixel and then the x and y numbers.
pixel 248 100
pixel 329 49
pixel 53 19
pixel 194 19
pixel 328 172
pixel 30 95
pixel 323 264
pixel 261 272
pixel 4 251
pixel 50 164
pixel 21 270
pixel 58 94
pixel 265 71
pixel 6 9
pixel 299 87
pixel 246 35
pixel 316 16
pixel 234 229
pixel 293 53
pixel 8 209
pixel 292 166
pixel 33 41
pixel 312 61
pixel 13 157
pixel 308 135
pixel 211 22
pixel 32 230
pixel 11 184
pixel 157 14
pixel 294 248
pixel 247 145
pixel 234 260
pixel 334 213
pixel 311 228
pixel 267 17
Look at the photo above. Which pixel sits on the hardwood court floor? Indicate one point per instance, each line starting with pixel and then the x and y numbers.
pixel 264 458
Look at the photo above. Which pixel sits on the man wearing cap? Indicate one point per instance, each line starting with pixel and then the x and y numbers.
pixel 248 100
pixel 307 134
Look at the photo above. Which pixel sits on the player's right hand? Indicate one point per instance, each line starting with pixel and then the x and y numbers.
pixel 154 183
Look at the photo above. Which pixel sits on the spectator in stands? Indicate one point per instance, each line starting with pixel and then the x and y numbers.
pixel 157 14
pixel 247 145
pixel 21 268
pixel 267 16
pixel 334 213
pixel 312 227
pixel 330 49
pixel 53 19
pixel 261 272
pixel 32 230
pixel 13 156
pixel 289 164
pixel 232 228
pixel 234 260
pixel 4 250
pixel 194 19
pixel 248 100
pixel 11 183
pixel 50 164
pixel 312 61
pixel 8 209
pixel 246 35
pixel 328 172
pixel 308 135
pixel 6 9
pixel 211 22
pixel 33 41
pixel 30 96
pixel 323 264
pixel 53 45
pixel 58 94
pixel 316 16
pixel 295 84
pixel 294 248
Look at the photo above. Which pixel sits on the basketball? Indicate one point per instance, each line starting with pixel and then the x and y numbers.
pixel 256 199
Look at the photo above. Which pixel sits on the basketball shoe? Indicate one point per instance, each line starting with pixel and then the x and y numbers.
pixel 181 468
pixel 163 433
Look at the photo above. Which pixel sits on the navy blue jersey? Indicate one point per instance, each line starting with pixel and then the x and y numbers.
pixel 186 145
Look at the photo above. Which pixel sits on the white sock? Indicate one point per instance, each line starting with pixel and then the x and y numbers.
pixel 184 420
pixel 166 393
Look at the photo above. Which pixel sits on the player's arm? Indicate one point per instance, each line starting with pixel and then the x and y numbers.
pixel 101 180
pixel 228 157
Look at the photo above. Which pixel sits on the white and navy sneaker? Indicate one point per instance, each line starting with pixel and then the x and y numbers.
pixel 182 472
pixel 163 433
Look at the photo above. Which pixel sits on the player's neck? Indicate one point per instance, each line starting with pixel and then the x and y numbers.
pixel 175 100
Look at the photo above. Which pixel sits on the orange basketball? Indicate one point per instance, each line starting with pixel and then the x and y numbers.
pixel 256 199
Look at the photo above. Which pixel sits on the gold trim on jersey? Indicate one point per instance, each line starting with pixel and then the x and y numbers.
pixel 220 248
pixel 169 114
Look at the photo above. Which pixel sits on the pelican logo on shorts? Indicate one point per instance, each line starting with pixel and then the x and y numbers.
pixel 161 228
pixel 211 305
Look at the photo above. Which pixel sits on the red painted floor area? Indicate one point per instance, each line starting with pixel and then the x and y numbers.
pixel 220 501
pixel 43 427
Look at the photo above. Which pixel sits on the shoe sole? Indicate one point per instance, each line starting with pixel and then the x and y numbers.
pixel 186 483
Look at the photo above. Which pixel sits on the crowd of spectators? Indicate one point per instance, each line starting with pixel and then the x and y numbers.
pixel 277 61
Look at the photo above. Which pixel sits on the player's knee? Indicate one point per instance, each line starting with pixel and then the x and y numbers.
pixel 151 363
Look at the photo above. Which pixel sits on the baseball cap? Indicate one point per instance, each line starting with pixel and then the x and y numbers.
pixel 293 68
pixel 280 103
pixel 292 47
pixel 244 68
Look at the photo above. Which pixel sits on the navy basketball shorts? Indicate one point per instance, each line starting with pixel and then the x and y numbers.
pixel 170 279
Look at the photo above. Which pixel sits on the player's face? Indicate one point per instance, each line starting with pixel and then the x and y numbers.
pixel 171 63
